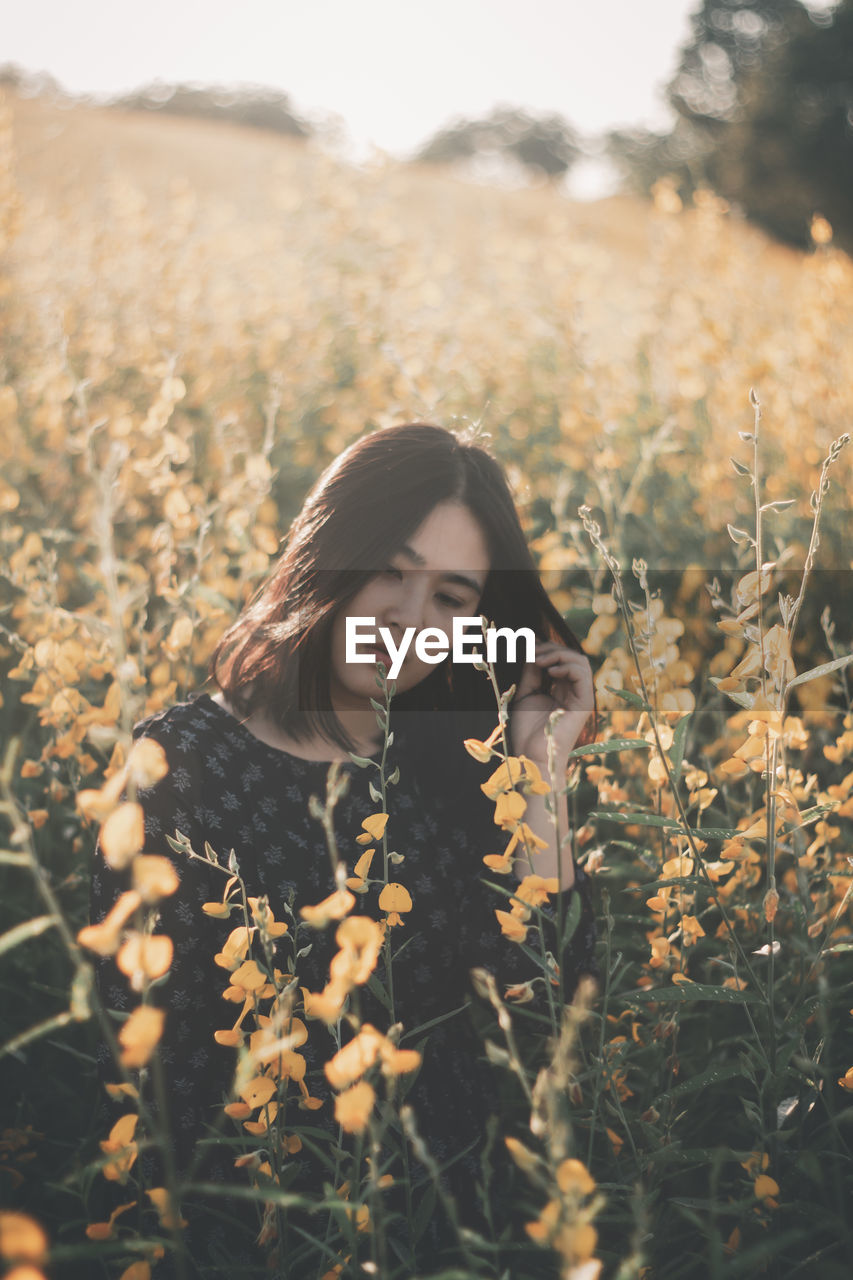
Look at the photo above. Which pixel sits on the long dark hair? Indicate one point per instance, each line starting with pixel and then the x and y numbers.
pixel 365 506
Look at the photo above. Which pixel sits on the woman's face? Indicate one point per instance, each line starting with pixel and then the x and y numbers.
pixel 438 575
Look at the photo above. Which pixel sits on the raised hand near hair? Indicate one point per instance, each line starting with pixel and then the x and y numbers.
pixel 569 689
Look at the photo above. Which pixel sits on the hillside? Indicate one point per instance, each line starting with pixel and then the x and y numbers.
pixel 386 292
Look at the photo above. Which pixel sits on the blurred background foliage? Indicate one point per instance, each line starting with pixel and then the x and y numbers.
pixel 764 95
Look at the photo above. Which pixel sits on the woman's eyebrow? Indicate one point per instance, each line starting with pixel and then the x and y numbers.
pixel 461 579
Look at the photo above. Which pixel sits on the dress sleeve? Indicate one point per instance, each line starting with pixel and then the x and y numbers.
pixel 197 1071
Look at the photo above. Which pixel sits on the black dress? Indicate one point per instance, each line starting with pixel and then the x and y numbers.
pixel 227 788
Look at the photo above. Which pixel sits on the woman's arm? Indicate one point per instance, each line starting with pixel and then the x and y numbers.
pixel 570 692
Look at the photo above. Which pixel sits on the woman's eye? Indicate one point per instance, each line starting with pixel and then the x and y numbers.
pixel 390 571
pixel 449 601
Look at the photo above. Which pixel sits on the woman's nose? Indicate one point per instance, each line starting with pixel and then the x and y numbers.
pixel 408 607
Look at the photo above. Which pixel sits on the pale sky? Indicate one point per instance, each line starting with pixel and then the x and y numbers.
pixel 395 71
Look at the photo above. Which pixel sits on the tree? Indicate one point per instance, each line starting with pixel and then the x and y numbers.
pixel 542 145
pixel 252 106
pixel 764 95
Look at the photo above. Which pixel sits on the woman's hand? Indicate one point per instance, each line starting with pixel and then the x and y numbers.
pixel 570 691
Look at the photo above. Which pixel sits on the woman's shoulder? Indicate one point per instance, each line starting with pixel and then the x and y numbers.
pixel 185 722
pixel 198 735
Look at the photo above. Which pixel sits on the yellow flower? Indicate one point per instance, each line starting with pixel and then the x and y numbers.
pixel 21 1238
pixel 266 1117
pixel 154 877
pixel 162 1202
pixel 137 1271
pixel 510 807
pixel 353 1107
pixel 140 1035
pixel 360 941
pixel 573 1176
pixel 535 783
pixel 355 1058
pixel 104 1230
pixel 765 1187
pixel 521 1155
pixel 147 763
pixel 121 1148
pixel 511 926
pixel 248 976
pixel 123 835
pixel 234 952
pixel 395 898
pixel 358 880
pixel 374 828
pixel 691 930
pixel 219 910
pixel 335 907
pixel 105 938
pixel 258 1091
pixel 399 1062
pixel 482 751
pixel 145 957
pixel 503 779
pixel 327 1004
pixel 533 890
pixel 264 916
pixel 521 993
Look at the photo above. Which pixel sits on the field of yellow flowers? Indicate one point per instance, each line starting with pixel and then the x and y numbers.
pixel 195 319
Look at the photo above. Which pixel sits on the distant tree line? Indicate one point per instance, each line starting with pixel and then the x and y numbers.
pixel 541 145
pixel 764 100
pixel 254 107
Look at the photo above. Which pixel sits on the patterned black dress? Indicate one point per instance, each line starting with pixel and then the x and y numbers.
pixel 227 788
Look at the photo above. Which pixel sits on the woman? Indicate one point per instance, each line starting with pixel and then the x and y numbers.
pixel 409 528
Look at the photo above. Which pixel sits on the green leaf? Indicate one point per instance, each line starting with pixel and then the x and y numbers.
pixel 424 1213
pixel 676 753
pixel 611 746
pixel 29 929
pixel 823 670
pixel 811 815
pixel 571 921
pixel 714 833
pixel 742 699
pixel 713 1075
pixel 638 819
pixel 691 993
pixel 627 696
pixel 376 987
pixel 433 1022
pixel 689 882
